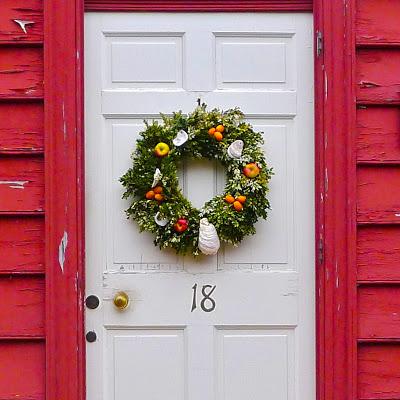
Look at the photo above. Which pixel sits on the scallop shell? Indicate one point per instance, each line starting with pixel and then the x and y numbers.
pixel 235 149
pixel 160 222
pixel 181 138
pixel 208 238
pixel 157 177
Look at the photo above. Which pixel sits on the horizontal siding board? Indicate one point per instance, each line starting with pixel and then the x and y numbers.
pixel 378 134
pixel 21 244
pixel 22 370
pixel 379 312
pixel 379 371
pixel 378 194
pixel 23 10
pixel 378 253
pixel 21 184
pixel 21 126
pixel 21 72
pixel 378 21
pixel 22 306
pixel 377 76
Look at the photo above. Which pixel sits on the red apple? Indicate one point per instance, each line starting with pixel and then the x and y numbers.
pixel 251 170
pixel 181 225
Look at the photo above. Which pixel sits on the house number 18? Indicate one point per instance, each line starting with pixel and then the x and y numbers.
pixel 207 303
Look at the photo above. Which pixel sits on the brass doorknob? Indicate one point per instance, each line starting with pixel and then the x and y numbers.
pixel 121 300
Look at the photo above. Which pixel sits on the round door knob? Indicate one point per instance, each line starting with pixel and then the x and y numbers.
pixel 121 300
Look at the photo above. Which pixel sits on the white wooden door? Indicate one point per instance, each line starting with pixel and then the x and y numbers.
pixel 258 342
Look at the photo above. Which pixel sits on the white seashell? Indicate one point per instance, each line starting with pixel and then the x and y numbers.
pixel 180 138
pixel 235 149
pixel 157 177
pixel 160 222
pixel 208 238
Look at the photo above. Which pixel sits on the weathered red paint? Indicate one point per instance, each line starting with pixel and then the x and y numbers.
pixel 22 309
pixel 378 22
pixel 378 134
pixel 21 245
pixel 22 369
pixel 378 194
pixel 21 127
pixel 21 184
pixel 23 10
pixel 21 72
pixel 379 371
pixel 199 5
pixel 378 253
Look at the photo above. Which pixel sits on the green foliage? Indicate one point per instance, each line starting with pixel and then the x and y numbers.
pixel 232 226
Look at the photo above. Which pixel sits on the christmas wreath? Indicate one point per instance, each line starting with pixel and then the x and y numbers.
pixel 158 205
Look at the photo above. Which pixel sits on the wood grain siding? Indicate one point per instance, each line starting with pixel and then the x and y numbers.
pixel 378 135
pixel 21 127
pixel 22 370
pixel 21 245
pixel 22 279
pixel 378 198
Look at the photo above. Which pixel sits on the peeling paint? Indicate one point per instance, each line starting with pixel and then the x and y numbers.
pixel 23 24
pixel 15 184
pixel 62 249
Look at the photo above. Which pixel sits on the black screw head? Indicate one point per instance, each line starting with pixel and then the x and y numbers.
pixel 92 302
pixel 91 336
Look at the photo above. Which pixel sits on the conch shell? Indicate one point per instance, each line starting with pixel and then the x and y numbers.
pixel 235 149
pixel 157 177
pixel 181 138
pixel 208 238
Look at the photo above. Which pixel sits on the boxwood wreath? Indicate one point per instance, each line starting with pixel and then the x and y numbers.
pixel 158 204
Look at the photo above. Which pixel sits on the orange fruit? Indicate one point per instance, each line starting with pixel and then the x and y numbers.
pixel 159 197
pixel 241 199
pixel 211 131
pixel 218 136
pixel 229 199
pixel 220 128
pixel 158 189
pixel 150 195
pixel 237 205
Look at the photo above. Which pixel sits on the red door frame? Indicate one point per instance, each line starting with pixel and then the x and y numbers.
pixel 334 180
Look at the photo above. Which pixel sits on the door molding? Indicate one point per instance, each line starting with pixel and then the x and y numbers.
pixel 334 187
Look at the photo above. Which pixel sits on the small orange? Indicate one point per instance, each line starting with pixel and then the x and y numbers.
pixel 150 195
pixel 218 136
pixel 159 197
pixel 211 131
pixel 242 199
pixel 237 205
pixel 229 199
pixel 220 128
pixel 158 189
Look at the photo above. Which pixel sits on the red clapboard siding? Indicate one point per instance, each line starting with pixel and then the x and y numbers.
pixel 378 192
pixel 378 253
pixel 23 10
pixel 379 371
pixel 21 184
pixel 378 21
pixel 378 75
pixel 21 244
pixel 379 312
pixel 378 134
pixel 21 126
pixel 21 72
pixel 22 370
pixel 22 306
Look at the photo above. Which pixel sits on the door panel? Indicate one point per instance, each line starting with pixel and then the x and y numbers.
pixel 232 326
